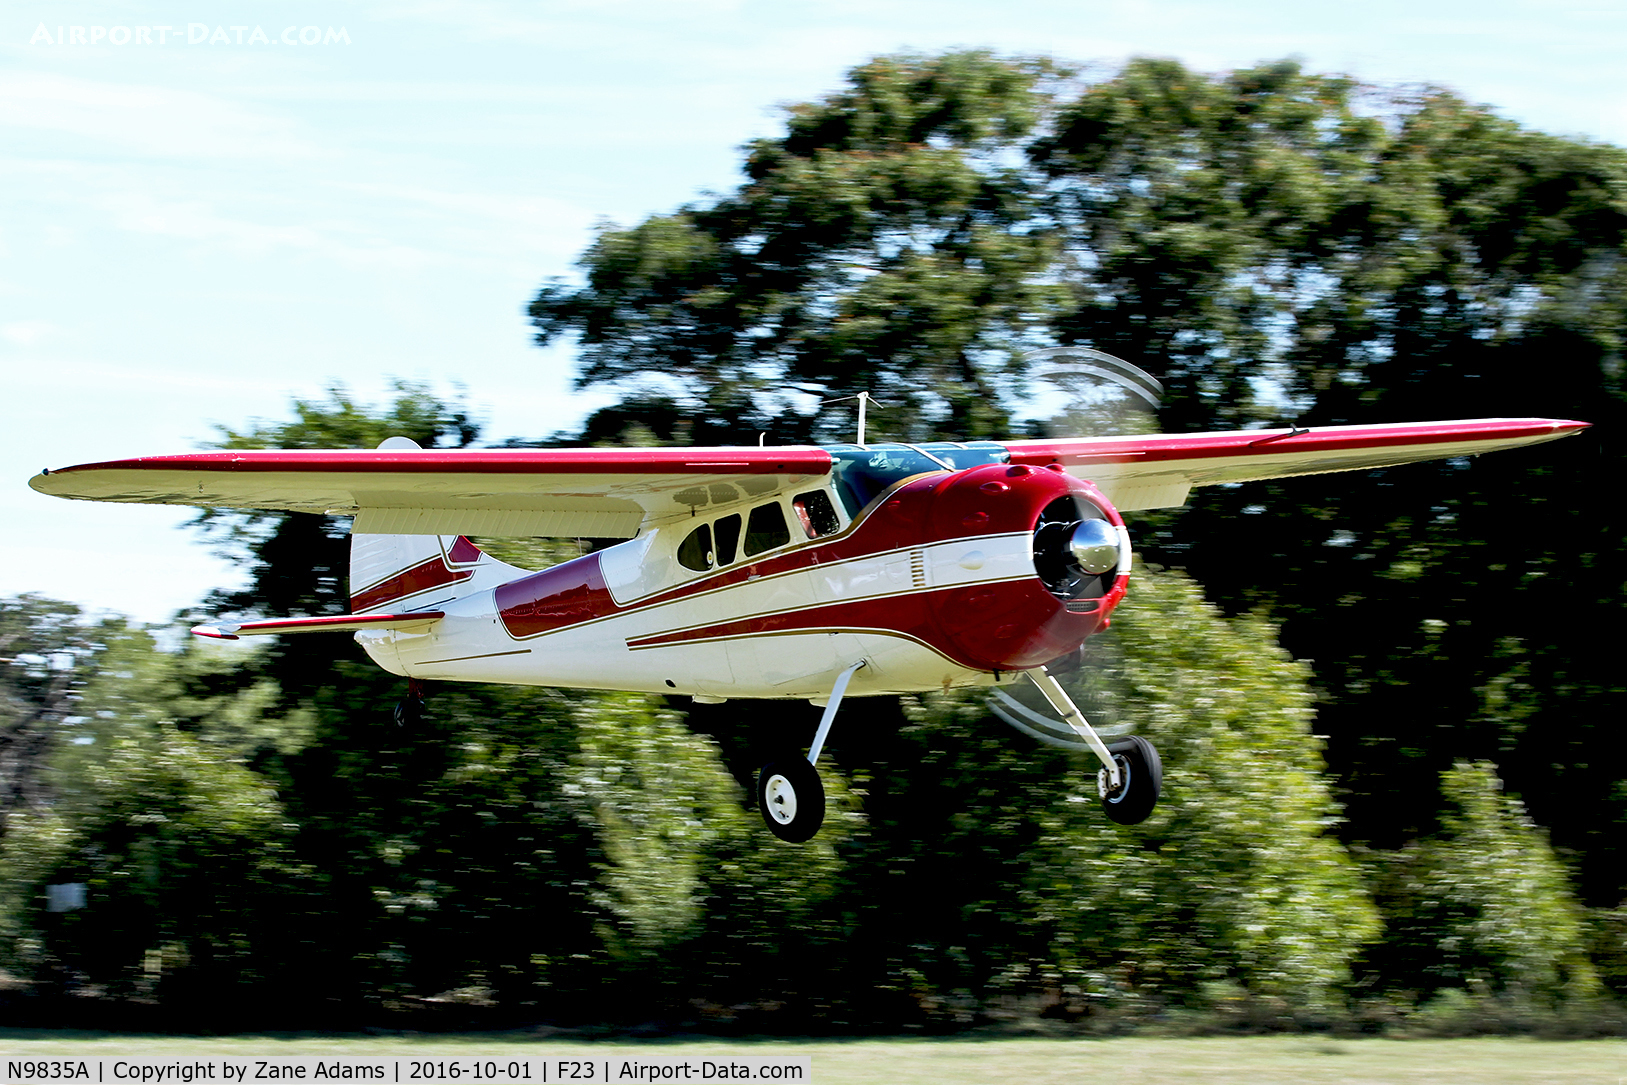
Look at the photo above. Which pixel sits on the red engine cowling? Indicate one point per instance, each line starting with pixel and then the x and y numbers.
pixel 1080 555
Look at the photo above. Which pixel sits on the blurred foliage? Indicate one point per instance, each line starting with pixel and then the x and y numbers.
pixel 1484 905
pixel 49 651
pixel 882 244
pixel 1237 875
pixel 1273 244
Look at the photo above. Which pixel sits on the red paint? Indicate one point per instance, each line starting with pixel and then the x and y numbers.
pixel 465 552
pixel 420 578
pixel 958 622
pixel 1156 448
pixel 567 594
pixel 800 460
pixel 1003 626
pixel 1030 625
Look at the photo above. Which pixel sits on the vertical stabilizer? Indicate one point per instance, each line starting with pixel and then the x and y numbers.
pixel 412 572
pixel 416 572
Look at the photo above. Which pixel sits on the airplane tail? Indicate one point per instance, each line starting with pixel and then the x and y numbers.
pixel 415 572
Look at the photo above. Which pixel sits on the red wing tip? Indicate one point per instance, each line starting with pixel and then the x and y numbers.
pixel 213 632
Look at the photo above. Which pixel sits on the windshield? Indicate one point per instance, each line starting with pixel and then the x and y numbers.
pixel 862 473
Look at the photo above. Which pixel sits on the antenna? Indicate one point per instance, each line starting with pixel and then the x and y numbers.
pixel 865 399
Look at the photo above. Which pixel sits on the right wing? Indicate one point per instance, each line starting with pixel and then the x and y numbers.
pixel 1158 470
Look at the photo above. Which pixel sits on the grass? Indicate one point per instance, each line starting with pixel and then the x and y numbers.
pixel 969 1061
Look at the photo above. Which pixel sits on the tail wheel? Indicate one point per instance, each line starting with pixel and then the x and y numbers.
pixel 791 798
pixel 1141 781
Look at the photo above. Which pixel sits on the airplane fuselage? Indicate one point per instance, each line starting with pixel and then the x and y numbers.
pixel 933 584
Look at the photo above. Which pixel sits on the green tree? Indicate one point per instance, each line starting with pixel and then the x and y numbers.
pixel 984 876
pixel 48 650
pixel 1484 905
pixel 180 846
pixel 887 243
pixel 1359 257
pixel 1274 244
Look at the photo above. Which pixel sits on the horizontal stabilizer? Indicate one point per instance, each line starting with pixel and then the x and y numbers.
pixel 338 623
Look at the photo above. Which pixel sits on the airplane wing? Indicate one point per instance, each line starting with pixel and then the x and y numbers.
pixel 1158 471
pixel 597 492
pixel 616 492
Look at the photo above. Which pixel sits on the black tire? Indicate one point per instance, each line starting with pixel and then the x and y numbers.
pixel 791 798
pixel 1143 774
pixel 409 712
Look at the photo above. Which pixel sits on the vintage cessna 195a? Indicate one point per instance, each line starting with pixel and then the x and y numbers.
pixel 781 572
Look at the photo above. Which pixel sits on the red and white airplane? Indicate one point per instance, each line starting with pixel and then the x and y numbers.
pixel 792 572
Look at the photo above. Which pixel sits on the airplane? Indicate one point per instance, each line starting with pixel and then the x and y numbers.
pixel 801 572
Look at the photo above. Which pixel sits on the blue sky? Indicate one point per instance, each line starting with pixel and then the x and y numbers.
pixel 197 231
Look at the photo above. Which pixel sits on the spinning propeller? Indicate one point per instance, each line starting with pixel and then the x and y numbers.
pixel 1078 552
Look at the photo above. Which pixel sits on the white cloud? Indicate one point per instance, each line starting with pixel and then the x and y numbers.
pixel 198 220
pixel 25 333
pixel 148 120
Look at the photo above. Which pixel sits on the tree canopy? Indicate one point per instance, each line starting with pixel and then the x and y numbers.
pixel 1271 243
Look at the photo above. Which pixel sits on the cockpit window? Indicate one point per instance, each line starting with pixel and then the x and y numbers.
pixel 766 529
pixel 863 473
pixel 695 552
pixel 816 513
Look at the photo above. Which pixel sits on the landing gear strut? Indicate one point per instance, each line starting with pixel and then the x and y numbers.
pixel 790 796
pixel 1132 775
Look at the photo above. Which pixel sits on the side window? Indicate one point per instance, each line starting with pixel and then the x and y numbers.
pixel 728 538
pixel 695 552
pixel 766 529
pixel 816 513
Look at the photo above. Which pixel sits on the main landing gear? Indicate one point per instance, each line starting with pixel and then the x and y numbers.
pixel 790 796
pixel 1132 775
pixel 409 711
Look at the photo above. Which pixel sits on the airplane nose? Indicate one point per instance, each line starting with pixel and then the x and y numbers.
pixel 1095 546
pixel 1078 550
pixel 1069 532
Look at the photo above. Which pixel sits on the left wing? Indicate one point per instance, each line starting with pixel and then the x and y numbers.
pixel 1159 470
pixel 599 492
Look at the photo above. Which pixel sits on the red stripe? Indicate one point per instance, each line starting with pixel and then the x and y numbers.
pixel 926 510
pixel 1198 446
pixel 421 577
pixel 1002 626
pixel 500 461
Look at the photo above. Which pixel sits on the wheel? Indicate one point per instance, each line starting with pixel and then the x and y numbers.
pixel 409 712
pixel 791 798
pixel 1141 775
